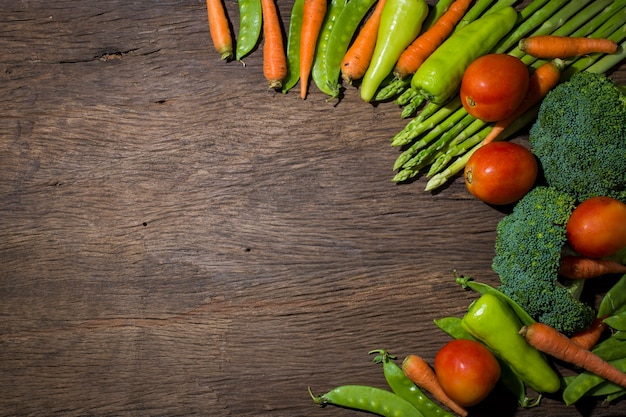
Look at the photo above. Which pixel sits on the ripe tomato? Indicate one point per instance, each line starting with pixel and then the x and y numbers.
pixel 500 172
pixel 597 227
pixel 493 86
pixel 467 371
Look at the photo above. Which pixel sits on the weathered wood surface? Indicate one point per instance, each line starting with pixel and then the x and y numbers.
pixel 178 240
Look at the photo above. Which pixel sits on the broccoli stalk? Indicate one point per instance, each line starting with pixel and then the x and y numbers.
pixel 579 137
pixel 529 244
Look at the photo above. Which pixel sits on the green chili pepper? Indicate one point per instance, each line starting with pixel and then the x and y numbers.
pixel 491 320
pixel 250 23
pixel 453 326
pixel 405 388
pixel 293 46
pixel 339 39
pixel 439 76
pixel 319 73
pixel 400 23
pixel 371 399
pixel 614 298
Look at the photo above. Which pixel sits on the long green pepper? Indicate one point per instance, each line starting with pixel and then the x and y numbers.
pixel 439 76
pixel 405 388
pixel 365 398
pixel 250 23
pixel 400 23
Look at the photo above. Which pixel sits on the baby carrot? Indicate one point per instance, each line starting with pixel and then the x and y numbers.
pixel 427 42
pixel 220 28
pixel 551 46
pixel 587 338
pixel 274 55
pixel 313 15
pixel 550 341
pixel 580 267
pixel 359 55
pixel 422 375
pixel 542 80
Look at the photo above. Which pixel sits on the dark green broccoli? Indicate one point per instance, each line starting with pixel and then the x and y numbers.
pixel 529 244
pixel 579 137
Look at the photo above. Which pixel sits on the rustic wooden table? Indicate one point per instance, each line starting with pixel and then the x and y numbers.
pixel 178 240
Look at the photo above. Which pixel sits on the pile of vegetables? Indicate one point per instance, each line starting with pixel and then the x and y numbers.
pixel 417 56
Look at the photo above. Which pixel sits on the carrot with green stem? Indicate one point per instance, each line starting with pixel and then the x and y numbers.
pixel 358 56
pixel 219 27
pixel 274 55
pixel 313 14
pixel 580 267
pixel 551 342
pixel 542 80
pixel 422 375
pixel 424 45
pixel 550 46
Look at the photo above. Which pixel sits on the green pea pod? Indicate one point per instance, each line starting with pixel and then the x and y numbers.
pixel 339 39
pixel 371 399
pixel 439 76
pixel 614 298
pixel 319 73
pixel 586 382
pixel 400 23
pixel 401 385
pixel 491 320
pixel 250 23
pixel 453 326
pixel 616 322
pixel 293 46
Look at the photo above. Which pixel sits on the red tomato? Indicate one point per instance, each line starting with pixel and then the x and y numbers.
pixel 500 172
pixel 467 371
pixel 493 86
pixel 597 227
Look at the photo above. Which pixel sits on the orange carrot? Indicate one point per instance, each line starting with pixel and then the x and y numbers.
pixel 274 55
pixel 359 55
pixel 551 46
pixel 219 27
pixel 550 341
pixel 422 375
pixel 313 13
pixel 588 337
pixel 542 80
pixel 580 267
pixel 427 42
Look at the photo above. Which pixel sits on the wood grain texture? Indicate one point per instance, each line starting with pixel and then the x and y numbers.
pixel 178 240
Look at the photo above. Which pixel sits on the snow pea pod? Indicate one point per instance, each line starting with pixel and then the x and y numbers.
pixel 371 399
pixel 339 39
pixel 405 388
pixel 250 23
pixel 293 46
pixel 585 382
pixel 319 73
pixel 400 23
pixel 439 76
pixel 614 298
pixel 491 320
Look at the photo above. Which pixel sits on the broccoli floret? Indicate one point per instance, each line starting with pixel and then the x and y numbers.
pixel 579 137
pixel 528 248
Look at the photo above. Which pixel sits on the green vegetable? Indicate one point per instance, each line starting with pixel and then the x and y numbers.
pixel 580 137
pixel 490 320
pixel 439 76
pixel 405 388
pixel 250 23
pixel 319 72
pixel 614 299
pixel 371 399
pixel 527 256
pixel 586 382
pixel 400 23
pixel 293 46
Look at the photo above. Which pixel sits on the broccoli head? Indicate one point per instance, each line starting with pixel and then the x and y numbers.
pixel 579 137
pixel 529 243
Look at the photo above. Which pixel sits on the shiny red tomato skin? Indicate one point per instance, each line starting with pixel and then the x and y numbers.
pixel 500 173
pixel 493 86
pixel 467 371
pixel 597 227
